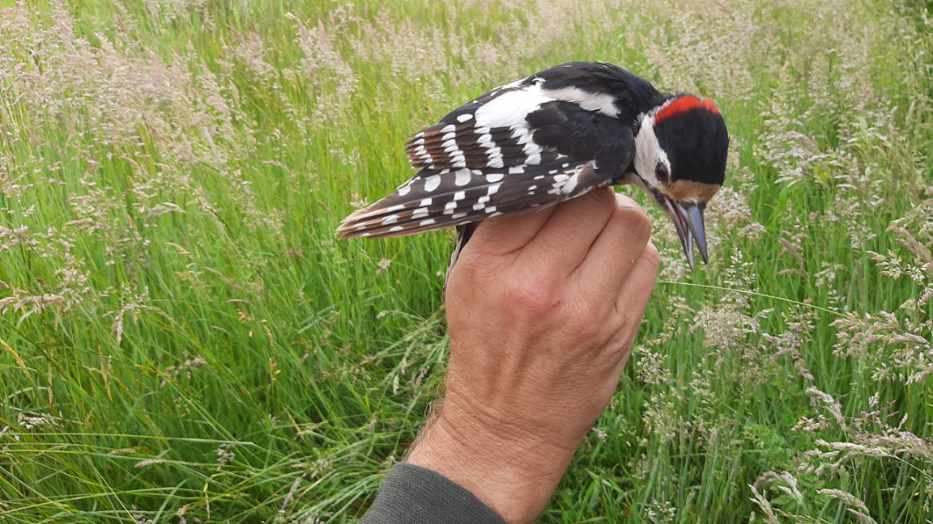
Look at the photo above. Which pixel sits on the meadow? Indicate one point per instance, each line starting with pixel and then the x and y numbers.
pixel 183 339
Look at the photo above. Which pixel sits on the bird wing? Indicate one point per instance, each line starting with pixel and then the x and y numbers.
pixel 520 146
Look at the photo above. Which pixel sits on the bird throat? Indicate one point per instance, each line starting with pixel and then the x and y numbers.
pixel 691 191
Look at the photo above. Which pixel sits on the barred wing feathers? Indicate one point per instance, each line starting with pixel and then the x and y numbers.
pixel 452 205
pixel 516 148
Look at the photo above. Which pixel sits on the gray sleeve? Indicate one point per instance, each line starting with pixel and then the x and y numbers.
pixel 415 495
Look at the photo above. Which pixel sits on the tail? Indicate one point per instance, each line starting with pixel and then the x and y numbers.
pixel 436 199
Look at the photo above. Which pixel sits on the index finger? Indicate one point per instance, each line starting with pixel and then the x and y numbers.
pixel 563 242
pixel 508 233
pixel 616 250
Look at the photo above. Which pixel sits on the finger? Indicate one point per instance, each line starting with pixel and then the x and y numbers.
pixel 565 239
pixel 633 300
pixel 615 251
pixel 508 233
pixel 636 289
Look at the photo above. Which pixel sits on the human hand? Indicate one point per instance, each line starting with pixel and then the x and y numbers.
pixel 542 310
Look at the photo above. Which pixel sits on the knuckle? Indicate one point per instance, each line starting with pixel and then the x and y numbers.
pixel 469 266
pixel 476 267
pixel 596 202
pixel 530 298
pixel 618 349
pixel 627 326
pixel 591 332
pixel 628 322
pixel 475 277
pixel 603 197
pixel 637 220
pixel 586 321
pixel 651 255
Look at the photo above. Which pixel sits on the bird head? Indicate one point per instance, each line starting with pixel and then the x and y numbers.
pixel 680 159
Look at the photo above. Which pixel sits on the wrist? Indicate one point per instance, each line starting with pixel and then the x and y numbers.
pixel 512 470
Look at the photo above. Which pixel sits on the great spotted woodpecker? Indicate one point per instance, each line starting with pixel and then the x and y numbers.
pixel 553 136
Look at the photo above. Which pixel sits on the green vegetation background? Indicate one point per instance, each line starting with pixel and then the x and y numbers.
pixel 182 339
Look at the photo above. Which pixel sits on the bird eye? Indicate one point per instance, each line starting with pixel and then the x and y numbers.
pixel 660 172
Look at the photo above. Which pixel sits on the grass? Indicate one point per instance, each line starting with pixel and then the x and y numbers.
pixel 182 339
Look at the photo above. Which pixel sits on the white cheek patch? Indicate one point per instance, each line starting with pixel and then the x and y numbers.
pixel 648 152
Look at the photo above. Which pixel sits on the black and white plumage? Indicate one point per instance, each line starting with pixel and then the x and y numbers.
pixel 550 137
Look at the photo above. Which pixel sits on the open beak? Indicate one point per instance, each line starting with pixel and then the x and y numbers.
pixel 688 220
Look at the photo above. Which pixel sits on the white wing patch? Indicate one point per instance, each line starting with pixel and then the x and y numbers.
pixel 509 109
pixel 590 101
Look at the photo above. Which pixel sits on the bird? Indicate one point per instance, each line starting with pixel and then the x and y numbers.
pixel 550 137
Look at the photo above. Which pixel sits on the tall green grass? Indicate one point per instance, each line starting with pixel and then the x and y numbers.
pixel 182 339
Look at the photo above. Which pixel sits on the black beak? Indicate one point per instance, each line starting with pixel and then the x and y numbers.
pixel 688 220
pixel 696 226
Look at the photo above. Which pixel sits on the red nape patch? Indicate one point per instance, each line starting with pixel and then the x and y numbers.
pixel 685 103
